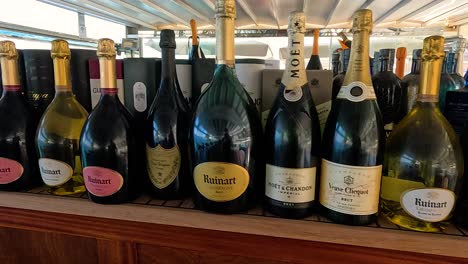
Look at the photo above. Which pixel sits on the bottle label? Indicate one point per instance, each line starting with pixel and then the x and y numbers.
pixel 428 204
pixel 290 185
pixel 356 92
pixel 163 165
pixel 10 170
pixel 348 189
pixel 220 181
pixel 102 181
pixel 139 96
pixel 293 95
pixel 55 172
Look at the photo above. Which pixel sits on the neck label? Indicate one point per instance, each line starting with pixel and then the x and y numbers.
pixel 294 75
pixel 357 92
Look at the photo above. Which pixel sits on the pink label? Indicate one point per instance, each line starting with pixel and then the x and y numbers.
pixel 10 170
pixel 102 181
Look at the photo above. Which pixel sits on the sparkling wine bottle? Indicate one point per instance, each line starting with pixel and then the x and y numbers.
pixel 108 142
pixel 423 159
pixel 400 62
pixel 226 131
pixel 353 139
pixel 18 159
pixel 59 130
pixel 410 84
pixel 452 63
pixel 292 135
pixel 195 52
pixel 339 78
pixel 314 62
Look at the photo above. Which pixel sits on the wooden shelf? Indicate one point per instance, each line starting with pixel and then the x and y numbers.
pixel 382 235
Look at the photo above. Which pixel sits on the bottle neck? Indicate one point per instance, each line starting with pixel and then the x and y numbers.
pixel 386 64
pixel 107 73
pixel 10 77
pixel 225 41
pixel 62 76
pixel 315 47
pixel 294 75
pixel 416 66
pixel 167 63
pixel 335 68
pixel 359 68
pixel 444 66
pixel 430 80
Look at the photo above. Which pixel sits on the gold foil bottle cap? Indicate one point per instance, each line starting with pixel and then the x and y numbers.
pixel 8 49
pixel 106 48
pixel 60 49
pixel 226 8
pixel 362 20
pixel 296 22
pixel 433 48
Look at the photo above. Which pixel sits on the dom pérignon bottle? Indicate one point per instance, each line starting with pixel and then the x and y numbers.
pixel 410 84
pixel 58 134
pixel 314 62
pixel 167 129
pixel 353 139
pixel 18 160
pixel 225 131
pixel 292 135
pixel 108 142
pixel 423 159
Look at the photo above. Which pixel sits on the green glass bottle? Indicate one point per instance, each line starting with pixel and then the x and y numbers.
pixel 446 83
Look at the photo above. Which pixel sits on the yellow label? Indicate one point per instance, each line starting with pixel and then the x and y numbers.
pixel 221 181
pixel 163 165
pixel 393 188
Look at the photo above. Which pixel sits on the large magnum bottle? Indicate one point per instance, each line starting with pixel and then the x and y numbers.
pixel 167 131
pixel 18 160
pixel 314 62
pixel 353 139
pixel 446 83
pixel 410 84
pixel 59 130
pixel 108 142
pixel 339 78
pixel 452 62
pixel 423 160
pixel 225 131
pixel 292 135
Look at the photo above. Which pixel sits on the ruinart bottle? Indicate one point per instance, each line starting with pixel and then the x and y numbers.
pixel 292 135
pixel 353 139
pixel 109 148
pixel 18 159
pixel 225 132
pixel 59 130
pixel 167 131
pixel 423 159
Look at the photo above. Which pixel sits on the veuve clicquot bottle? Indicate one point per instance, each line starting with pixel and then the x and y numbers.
pixel 18 160
pixel 314 62
pixel 108 141
pixel 410 84
pixel 59 130
pixel 195 52
pixel 167 131
pixel 292 135
pixel 423 159
pixel 225 131
pixel 339 78
pixel 353 139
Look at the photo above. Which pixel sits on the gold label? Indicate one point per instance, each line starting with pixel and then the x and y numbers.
pixel 221 181
pixel 163 165
pixel 350 190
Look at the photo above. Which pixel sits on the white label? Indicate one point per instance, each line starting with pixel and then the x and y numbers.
pixel 428 204
pixel 250 76
pixel 293 95
pixel 350 190
pixel 95 86
pixel 290 185
pixel 54 172
pixel 184 76
pixel 139 96
pixel 356 92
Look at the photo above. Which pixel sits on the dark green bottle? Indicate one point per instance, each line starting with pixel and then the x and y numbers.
pixel 446 83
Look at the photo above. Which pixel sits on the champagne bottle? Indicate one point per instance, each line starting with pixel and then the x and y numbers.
pixel 195 52
pixel 344 42
pixel 410 84
pixel 339 78
pixel 446 83
pixel 314 62
pixel 167 131
pixel 423 161
pixel 400 62
pixel 108 142
pixel 353 139
pixel 59 130
pixel 292 135
pixel 18 159
pixel 226 131
pixel 452 70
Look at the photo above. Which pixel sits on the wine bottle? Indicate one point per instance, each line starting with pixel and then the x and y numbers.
pixel 339 78
pixel 59 130
pixel 452 62
pixel 353 139
pixel 314 62
pixel 335 63
pixel 292 135
pixel 195 52
pixel 446 83
pixel 225 132
pixel 108 141
pixel 423 160
pixel 410 84
pixel 167 131
pixel 387 88
pixel 400 62
pixel 18 159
